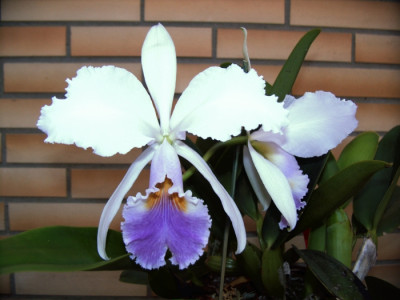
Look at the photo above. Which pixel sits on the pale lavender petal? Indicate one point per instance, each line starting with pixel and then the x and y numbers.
pixel 318 122
pixel 276 184
pixel 230 97
pixel 160 221
pixel 289 167
pixel 114 203
pixel 227 202
pixel 159 69
pixel 105 108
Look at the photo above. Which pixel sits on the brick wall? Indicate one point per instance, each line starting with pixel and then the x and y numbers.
pixel 43 42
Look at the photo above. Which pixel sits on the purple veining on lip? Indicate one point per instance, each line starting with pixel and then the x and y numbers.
pixel 160 221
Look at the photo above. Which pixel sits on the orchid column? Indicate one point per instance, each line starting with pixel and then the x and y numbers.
pixel 109 110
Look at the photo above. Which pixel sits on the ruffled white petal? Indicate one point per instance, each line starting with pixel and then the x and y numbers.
pixel 255 180
pixel 218 102
pixel 114 203
pixel 227 202
pixel 159 68
pixel 277 186
pixel 105 108
pixel 318 122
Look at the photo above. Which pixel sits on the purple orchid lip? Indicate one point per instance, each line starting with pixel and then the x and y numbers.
pixel 161 220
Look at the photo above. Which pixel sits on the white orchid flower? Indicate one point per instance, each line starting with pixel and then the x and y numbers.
pixel 109 110
pixel 318 122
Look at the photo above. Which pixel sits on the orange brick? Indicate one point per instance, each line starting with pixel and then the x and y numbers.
pixel 48 77
pixel 101 183
pixel 32 41
pixel 274 44
pixel 97 283
pixel 32 148
pixel 20 113
pixel 378 48
pixel 185 74
pixel 72 10
pixel 32 182
pixel 256 11
pixel 25 216
pixel 377 116
pixel 349 82
pixel 127 41
pixel 353 14
pixel 2 218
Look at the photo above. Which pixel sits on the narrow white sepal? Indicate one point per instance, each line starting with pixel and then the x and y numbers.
pixel 227 202
pixel 114 203
pixel 159 69
pixel 230 97
pixel 277 186
pixel 255 180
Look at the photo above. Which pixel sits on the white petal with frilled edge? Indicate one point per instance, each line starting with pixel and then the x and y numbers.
pixel 277 186
pixel 218 102
pixel 255 180
pixel 105 108
pixel 227 202
pixel 114 203
pixel 318 122
pixel 159 68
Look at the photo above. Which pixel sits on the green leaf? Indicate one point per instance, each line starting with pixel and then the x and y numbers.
pixel 335 277
pixel 330 169
pixel 367 201
pixel 383 205
pixel 339 237
pixel 331 194
pixel 214 263
pixel 270 231
pixel 313 168
pixel 391 218
pixel 288 74
pixel 61 248
pixel 250 262
pixel 380 289
pixel 317 238
pixel 362 147
pixel 272 262
pixel 245 198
